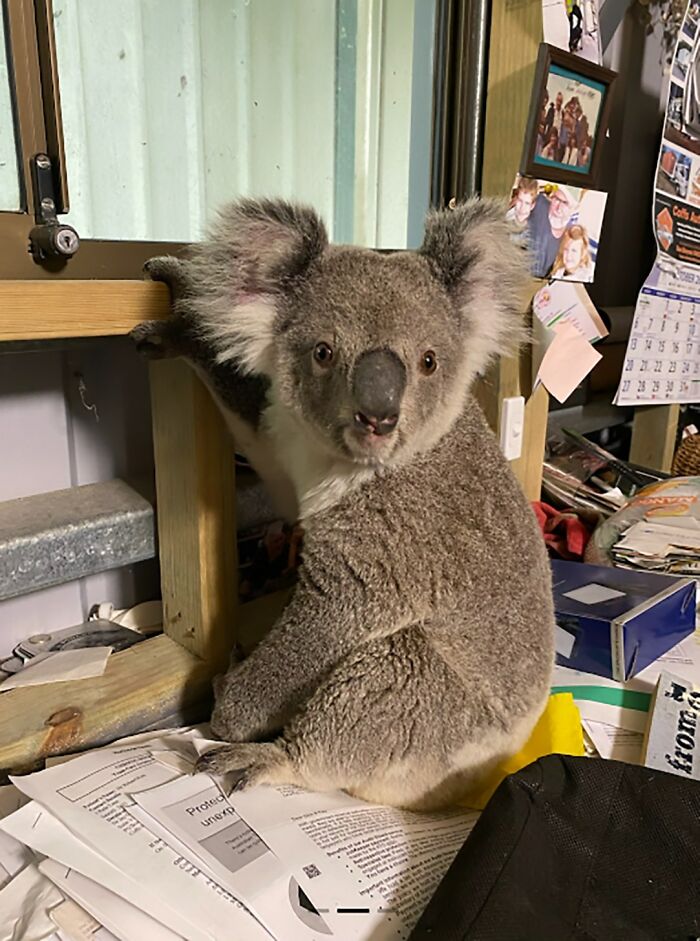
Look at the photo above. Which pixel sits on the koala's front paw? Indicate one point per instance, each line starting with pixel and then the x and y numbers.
pixel 245 765
pixel 171 271
pixel 153 339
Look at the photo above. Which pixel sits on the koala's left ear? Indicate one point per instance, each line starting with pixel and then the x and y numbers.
pixel 484 272
pixel 255 253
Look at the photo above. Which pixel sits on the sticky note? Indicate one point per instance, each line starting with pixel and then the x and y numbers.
pixel 567 362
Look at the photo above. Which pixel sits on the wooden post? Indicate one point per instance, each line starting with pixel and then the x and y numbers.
pixel 654 436
pixel 195 485
pixel 516 33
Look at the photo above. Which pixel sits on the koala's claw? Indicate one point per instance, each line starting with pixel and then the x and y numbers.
pixel 243 765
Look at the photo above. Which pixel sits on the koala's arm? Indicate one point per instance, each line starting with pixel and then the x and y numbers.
pixel 339 604
pixel 243 395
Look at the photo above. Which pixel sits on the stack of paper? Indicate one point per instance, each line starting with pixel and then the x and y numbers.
pixel 125 842
pixel 658 545
pixel 615 715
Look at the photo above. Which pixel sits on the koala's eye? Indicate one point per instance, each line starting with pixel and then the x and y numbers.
pixel 428 362
pixel 323 354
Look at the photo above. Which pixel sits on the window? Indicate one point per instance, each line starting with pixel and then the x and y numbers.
pixel 168 108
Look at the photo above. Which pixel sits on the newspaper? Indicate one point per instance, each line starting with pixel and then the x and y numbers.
pixel 149 850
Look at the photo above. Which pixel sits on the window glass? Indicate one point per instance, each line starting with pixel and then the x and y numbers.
pixel 172 107
pixel 9 171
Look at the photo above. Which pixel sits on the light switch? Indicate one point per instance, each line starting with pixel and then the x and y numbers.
pixel 512 427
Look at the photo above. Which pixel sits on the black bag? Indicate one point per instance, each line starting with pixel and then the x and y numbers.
pixel 576 848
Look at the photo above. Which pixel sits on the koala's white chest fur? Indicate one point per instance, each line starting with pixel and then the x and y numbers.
pixel 319 478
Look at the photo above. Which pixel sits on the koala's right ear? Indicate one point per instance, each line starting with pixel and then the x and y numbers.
pixel 255 252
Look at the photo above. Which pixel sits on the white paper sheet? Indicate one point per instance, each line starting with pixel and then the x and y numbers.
pixel 121 918
pixel 25 903
pixel 395 858
pixel 616 744
pixel 194 809
pixel 38 828
pixel 60 667
pixel 90 795
pixel 14 856
pixel 77 924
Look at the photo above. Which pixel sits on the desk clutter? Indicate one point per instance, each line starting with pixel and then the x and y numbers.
pixel 125 842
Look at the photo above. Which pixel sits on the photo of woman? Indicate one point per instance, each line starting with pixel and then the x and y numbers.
pixel 573 261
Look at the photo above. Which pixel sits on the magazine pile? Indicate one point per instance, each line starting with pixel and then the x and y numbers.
pixel 126 842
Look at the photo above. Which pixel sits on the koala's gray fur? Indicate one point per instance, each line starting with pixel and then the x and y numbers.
pixel 417 648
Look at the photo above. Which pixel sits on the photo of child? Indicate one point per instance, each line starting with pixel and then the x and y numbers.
pixel 521 204
pixel 568 120
pixel 559 225
pixel 573 261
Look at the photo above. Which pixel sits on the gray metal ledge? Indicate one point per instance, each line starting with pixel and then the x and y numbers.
pixel 57 537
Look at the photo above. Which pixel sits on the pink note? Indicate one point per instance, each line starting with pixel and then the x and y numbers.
pixel 567 362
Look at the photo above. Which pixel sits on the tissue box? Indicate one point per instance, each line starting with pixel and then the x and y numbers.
pixel 615 622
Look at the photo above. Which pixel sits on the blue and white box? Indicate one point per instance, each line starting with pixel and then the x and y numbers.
pixel 615 622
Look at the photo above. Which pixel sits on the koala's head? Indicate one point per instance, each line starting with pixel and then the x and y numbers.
pixel 374 353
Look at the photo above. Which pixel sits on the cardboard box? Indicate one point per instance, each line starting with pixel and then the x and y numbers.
pixel 615 622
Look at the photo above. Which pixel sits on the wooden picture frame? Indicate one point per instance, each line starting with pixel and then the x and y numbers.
pixel 585 91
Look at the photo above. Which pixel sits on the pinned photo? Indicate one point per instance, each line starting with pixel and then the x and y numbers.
pixel 673 176
pixel 573 25
pixel 559 225
pixel 681 62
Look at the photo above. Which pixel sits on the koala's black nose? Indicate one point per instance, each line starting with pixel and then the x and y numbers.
pixel 378 384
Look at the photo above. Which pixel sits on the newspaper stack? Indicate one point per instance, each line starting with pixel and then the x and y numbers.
pixel 661 546
pixel 125 842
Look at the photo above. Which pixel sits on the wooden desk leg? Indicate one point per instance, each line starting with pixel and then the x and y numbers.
pixel 654 436
pixel 195 484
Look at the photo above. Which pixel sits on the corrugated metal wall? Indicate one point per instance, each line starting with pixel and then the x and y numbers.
pixel 172 107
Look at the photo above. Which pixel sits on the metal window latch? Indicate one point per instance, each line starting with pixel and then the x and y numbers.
pixel 49 239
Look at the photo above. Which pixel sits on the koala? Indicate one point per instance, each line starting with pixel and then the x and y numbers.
pixel 416 650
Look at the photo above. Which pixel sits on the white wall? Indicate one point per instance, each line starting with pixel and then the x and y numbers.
pixel 49 441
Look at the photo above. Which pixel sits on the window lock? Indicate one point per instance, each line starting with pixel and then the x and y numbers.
pixel 49 239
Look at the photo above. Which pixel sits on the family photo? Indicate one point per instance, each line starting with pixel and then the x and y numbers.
pixel 568 121
pixel 559 225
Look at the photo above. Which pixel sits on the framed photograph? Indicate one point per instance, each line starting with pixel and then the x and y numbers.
pixel 568 119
